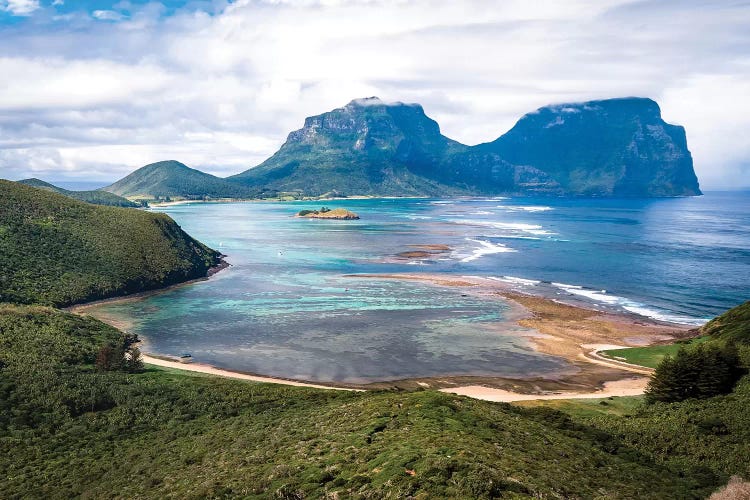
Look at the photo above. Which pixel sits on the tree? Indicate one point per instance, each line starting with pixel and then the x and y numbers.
pixel 133 361
pixel 105 358
pixel 702 371
pixel 123 355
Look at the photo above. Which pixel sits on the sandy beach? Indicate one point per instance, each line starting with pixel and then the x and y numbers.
pixel 625 387
pixel 211 370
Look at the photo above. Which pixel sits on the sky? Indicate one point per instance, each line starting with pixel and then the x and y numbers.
pixel 90 90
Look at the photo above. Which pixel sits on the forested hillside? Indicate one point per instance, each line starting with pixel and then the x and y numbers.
pixel 58 251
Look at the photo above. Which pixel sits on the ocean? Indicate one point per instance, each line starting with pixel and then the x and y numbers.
pixel 287 308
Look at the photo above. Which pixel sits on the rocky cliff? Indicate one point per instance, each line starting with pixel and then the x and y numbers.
pixel 615 147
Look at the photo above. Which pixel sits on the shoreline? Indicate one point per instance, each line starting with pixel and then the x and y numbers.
pixel 566 331
pixel 277 200
pixel 85 306
pixel 220 372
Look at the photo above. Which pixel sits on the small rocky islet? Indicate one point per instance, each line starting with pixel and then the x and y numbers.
pixel 327 213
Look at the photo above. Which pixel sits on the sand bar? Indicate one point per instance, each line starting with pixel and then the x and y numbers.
pixel 616 388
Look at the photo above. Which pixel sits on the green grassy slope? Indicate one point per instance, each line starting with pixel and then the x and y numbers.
pixel 59 251
pixel 68 430
pixel 733 325
pixel 95 197
pixel 175 180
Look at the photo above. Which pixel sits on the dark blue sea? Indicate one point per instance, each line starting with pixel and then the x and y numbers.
pixel 286 308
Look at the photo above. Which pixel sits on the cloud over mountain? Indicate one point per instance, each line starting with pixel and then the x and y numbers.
pixel 217 85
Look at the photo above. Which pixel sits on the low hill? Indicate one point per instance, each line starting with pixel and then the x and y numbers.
pixel 69 430
pixel 58 251
pixel 615 147
pixel 95 197
pixel 175 180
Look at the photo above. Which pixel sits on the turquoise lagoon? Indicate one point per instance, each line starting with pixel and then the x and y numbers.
pixel 287 308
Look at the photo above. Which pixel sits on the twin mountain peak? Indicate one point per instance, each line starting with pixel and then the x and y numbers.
pixel 614 147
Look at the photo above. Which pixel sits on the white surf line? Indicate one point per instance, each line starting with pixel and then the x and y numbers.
pixel 211 370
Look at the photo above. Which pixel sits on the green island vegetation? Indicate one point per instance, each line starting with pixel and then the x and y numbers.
pixel 95 197
pixel 69 427
pixel 327 213
pixel 81 416
pixel 58 251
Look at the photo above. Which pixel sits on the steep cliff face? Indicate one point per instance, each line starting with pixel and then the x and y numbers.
pixel 616 147
pixel 366 147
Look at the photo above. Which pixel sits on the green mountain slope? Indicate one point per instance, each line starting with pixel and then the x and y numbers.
pixel 58 251
pixel 618 147
pixel 95 197
pixel 68 430
pixel 175 180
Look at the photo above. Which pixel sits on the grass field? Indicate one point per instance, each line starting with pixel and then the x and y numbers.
pixel 649 356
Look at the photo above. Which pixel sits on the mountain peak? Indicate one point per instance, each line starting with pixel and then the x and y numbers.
pixel 165 164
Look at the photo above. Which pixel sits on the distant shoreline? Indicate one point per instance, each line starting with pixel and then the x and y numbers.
pixel 84 306
pixel 277 200
pixel 161 204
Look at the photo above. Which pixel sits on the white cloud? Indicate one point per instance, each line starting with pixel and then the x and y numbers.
pixel 719 120
pixel 59 83
pixel 222 91
pixel 19 7
pixel 107 15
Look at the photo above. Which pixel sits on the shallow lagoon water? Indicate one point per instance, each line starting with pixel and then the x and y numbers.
pixel 285 307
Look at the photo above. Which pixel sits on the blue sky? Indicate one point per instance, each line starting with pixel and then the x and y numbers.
pixel 92 89
pixel 19 11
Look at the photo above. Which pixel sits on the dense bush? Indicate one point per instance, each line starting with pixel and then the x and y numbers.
pixel 59 251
